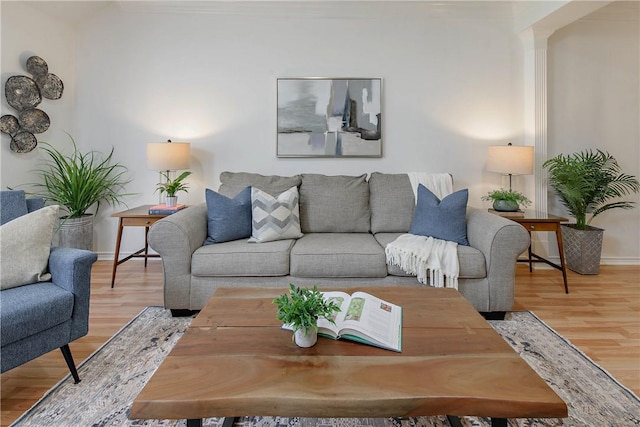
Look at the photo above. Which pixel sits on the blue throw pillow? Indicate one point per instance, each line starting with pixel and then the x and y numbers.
pixel 228 219
pixel 444 219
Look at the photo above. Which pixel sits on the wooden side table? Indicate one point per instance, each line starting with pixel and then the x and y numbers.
pixel 136 217
pixel 545 222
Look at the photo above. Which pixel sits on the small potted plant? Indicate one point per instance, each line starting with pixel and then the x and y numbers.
pixel 301 309
pixel 172 186
pixel 507 200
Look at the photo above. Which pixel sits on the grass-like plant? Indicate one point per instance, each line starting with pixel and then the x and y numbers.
pixel 79 181
pixel 508 195
pixel 587 181
pixel 302 308
pixel 172 186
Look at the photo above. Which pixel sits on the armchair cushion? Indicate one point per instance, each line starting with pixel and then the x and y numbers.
pixel 32 309
pixel 13 205
pixel 25 244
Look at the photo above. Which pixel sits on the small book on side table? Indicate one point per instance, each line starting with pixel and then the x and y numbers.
pixel 364 318
pixel 516 214
pixel 164 209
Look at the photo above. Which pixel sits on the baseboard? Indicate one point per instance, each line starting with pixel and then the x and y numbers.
pixel 603 261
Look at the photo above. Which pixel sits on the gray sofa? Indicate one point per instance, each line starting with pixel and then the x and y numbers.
pixel 347 221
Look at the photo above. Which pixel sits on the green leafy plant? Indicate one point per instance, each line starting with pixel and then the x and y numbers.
pixel 508 195
pixel 172 186
pixel 302 308
pixel 586 181
pixel 79 181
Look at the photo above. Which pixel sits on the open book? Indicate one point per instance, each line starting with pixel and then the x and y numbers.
pixel 364 318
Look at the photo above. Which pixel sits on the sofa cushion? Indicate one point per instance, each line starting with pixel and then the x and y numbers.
pixel 22 312
pixel 392 202
pixel 471 261
pixel 228 219
pixel 240 258
pixel 274 218
pixel 338 255
pixel 334 204
pixel 25 244
pixel 444 219
pixel 231 183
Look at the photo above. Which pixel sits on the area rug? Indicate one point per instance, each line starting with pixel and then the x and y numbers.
pixel 115 373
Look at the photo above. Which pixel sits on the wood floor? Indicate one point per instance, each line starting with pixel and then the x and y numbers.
pixel 601 316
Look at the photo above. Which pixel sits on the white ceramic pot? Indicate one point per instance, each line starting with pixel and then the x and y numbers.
pixel 305 340
pixel 171 201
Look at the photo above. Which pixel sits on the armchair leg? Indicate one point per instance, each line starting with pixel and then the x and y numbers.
pixel 66 352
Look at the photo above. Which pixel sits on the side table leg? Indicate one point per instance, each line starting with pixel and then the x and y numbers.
pixel 561 253
pixel 116 255
pixel 529 251
pixel 146 246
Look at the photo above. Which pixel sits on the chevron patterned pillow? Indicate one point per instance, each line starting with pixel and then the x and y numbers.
pixel 274 218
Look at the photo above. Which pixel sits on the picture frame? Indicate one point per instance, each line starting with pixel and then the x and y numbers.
pixel 329 117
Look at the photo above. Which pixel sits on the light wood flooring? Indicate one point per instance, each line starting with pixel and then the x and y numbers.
pixel 601 315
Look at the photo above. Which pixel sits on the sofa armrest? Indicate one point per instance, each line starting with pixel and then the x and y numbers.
pixel 175 238
pixel 501 241
pixel 71 270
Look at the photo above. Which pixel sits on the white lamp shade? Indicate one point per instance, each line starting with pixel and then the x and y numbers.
pixel 510 159
pixel 168 156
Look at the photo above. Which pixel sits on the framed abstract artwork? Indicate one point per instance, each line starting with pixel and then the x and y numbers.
pixel 329 117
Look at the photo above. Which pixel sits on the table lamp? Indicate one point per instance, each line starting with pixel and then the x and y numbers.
pixel 168 156
pixel 510 160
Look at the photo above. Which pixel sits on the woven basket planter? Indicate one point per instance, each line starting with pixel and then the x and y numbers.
pixel 582 248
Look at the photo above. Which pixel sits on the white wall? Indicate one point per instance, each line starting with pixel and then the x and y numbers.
pixel 26 32
pixel 450 87
pixel 594 99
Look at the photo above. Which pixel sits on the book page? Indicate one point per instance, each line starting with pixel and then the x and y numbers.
pixel 374 318
pixel 342 299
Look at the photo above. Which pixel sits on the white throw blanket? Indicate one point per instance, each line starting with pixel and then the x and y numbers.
pixel 440 184
pixel 426 256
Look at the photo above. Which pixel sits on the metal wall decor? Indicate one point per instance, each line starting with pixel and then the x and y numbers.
pixel 329 117
pixel 24 94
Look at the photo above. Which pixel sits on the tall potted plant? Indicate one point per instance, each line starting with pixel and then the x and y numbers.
pixel 77 182
pixel 588 183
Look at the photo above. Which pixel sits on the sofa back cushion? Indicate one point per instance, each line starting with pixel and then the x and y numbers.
pixel 231 183
pixel 392 202
pixel 334 204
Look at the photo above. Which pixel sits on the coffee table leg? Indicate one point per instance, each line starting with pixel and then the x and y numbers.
pixel 229 421
pixel 195 422
pixel 495 422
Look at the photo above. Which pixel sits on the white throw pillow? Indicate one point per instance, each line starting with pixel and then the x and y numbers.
pixel 25 244
pixel 274 218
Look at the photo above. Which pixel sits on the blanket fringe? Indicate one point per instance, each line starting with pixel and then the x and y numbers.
pixel 432 267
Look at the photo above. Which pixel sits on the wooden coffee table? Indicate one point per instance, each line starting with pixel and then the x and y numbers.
pixel 234 360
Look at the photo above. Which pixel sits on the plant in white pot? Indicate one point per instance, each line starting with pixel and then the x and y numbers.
pixel 588 183
pixel 301 309
pixel 78 182
pixel 172 186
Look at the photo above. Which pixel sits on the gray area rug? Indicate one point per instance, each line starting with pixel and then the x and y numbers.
pixel 115 373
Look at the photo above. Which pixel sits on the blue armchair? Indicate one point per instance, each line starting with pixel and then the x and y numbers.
pixel 42 316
